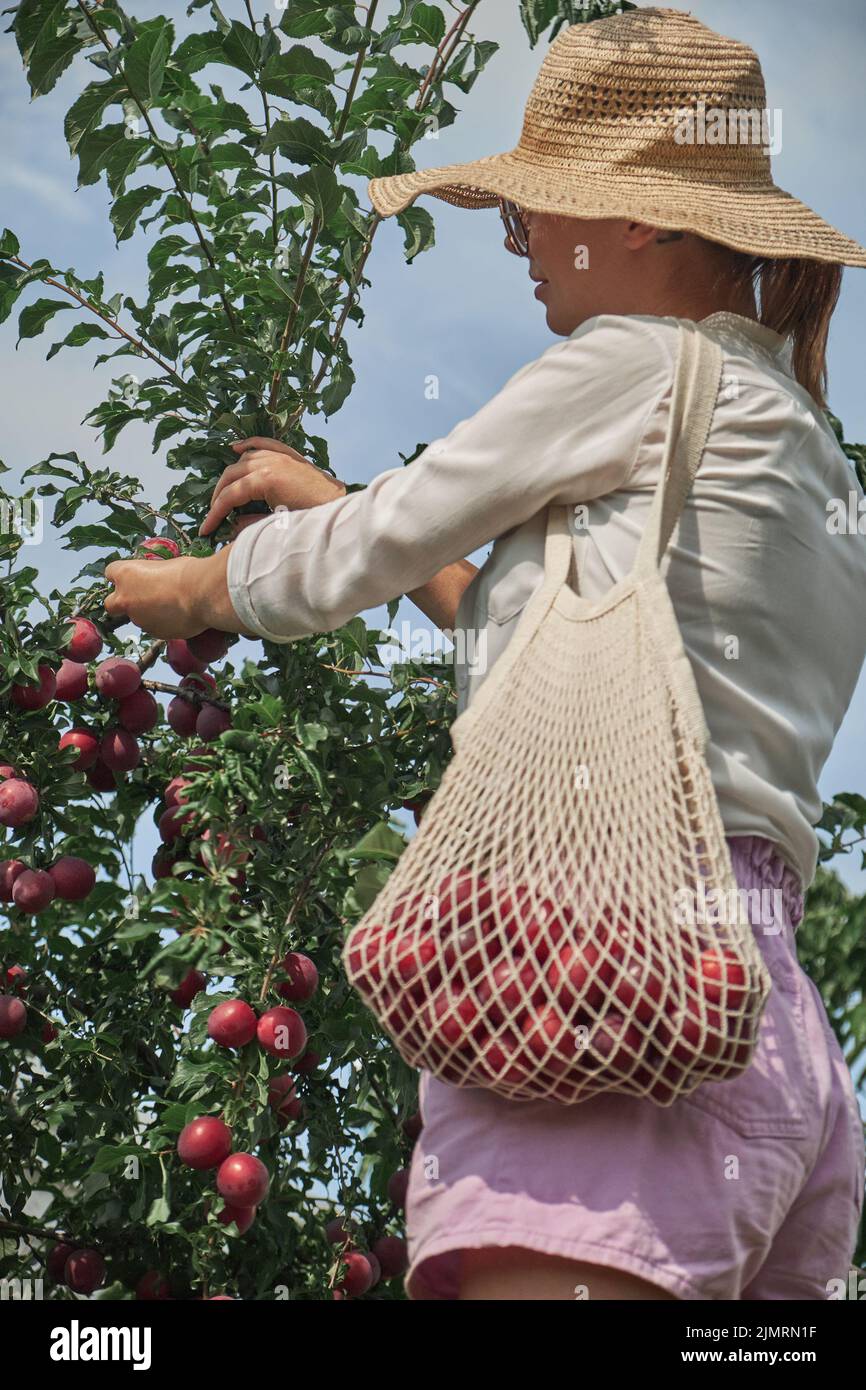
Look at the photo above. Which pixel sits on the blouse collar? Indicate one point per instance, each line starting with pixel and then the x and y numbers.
pixel 755 337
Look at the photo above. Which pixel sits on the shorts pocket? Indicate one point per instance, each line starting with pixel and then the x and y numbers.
pixel 776 1096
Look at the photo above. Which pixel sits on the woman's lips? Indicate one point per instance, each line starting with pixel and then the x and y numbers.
pixel 540 288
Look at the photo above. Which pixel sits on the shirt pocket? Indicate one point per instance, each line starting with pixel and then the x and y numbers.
pixel 513 571
pixel 776 1096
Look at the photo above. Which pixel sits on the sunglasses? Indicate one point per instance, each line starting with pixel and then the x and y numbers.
pixel 517 235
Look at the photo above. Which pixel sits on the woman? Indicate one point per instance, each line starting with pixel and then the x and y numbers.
pixel 752 1188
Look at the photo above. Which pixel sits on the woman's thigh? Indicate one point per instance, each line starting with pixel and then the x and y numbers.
pixel 511 1272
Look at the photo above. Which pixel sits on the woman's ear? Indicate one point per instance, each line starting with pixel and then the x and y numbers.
pixel 637 235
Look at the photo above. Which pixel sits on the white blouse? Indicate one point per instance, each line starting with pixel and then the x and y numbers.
pixel 767 584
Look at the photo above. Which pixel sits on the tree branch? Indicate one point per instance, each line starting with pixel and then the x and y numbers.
pixel 315 228
pixel 86 304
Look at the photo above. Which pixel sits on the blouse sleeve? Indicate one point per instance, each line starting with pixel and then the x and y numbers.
pixel 565 428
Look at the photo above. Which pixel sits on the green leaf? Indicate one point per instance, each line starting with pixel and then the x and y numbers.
pixel 126 210
pixel 379 843
pixel 36 21
pixel 79 335
pixel 338 388
pixel 304 18
pixel 419 229
pixel 280 75
pixel 144 65
pixel 241 48
pixel 320 192
pixel 86 112
pixel 98 148
pixel 197 50
pixel 366 887
pixel 112 1157
pixel 9 245
pixel 33 319
pixel 428 23
pixel 298 141
pixel 50 59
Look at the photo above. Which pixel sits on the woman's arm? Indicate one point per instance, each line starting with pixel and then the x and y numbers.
pixel 440 596
pixel 209 604
pixel 567 427
pixel 198 595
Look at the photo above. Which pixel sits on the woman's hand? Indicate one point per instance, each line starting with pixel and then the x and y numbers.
pixel 270 472
pixel 173 598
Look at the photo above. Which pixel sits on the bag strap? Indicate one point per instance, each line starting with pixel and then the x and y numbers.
pixel 697 379
pixel 696 384
pixel 693 403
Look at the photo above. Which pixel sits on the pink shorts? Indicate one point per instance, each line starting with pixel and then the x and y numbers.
pixel 747 1189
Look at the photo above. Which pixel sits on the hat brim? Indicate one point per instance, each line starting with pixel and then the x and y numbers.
pixel 761 220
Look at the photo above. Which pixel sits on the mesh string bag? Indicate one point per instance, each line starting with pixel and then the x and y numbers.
pixel 566 920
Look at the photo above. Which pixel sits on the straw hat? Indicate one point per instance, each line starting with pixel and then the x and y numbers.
pixel 606 134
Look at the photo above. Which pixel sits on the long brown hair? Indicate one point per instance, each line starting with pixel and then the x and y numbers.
pixel 796 298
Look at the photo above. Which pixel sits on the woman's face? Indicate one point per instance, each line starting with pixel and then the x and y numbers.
pixel 601 266
pixel 576 263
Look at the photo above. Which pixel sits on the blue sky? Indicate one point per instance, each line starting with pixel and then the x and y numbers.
pixel 463 311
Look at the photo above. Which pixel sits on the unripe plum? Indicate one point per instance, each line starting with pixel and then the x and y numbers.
pixel 159 548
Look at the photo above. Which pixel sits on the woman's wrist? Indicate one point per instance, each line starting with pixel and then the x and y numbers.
pixel 209 600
